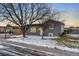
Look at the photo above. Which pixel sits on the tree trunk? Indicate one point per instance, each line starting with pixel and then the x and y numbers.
pixel 5 33
pixel 24 30
pixel 24 33
pixel 42 33
pixel 42 36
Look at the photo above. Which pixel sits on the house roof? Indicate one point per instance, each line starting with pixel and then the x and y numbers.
pixel 48 21
pixel 54 21
pixel 5 22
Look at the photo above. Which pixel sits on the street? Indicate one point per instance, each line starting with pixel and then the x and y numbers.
pixel 10 50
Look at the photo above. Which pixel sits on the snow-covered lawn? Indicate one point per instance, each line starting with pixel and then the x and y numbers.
pixel 74 35
pixel 36 40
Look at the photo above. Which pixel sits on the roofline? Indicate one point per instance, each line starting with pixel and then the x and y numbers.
pixel 56 21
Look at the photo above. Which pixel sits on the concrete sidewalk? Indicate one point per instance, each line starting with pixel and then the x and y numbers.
pixel 45 49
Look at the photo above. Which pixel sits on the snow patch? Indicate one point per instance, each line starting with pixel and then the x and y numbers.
pixel 35 40
pixel 1 46
pixel 67 49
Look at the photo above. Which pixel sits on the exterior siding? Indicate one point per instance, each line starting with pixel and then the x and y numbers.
pixel 2 29
pixel 17 32
pixel 55 29
pixel 62 28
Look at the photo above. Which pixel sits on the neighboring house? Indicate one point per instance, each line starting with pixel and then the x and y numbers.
pixel 72 30
pixel 14 29
pixel 9 26
pixel 48 28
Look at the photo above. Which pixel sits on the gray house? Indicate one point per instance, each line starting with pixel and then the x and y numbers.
pixel 48 28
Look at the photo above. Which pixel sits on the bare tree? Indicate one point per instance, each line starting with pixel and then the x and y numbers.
pixel 22 14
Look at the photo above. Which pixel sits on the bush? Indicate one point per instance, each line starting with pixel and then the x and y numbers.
pixel 61 34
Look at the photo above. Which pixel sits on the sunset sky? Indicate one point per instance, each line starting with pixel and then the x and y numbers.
pixel 70 13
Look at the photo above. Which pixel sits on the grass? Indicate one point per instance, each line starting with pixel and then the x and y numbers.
pixel 66 40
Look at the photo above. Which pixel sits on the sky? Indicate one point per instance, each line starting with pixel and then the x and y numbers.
pixel 65 6
pixel 70 13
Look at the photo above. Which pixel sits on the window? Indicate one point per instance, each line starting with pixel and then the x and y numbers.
pixel 51 26
pixel 33 29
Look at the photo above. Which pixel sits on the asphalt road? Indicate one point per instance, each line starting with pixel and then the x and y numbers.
pixel 14 51
pixel 10 50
